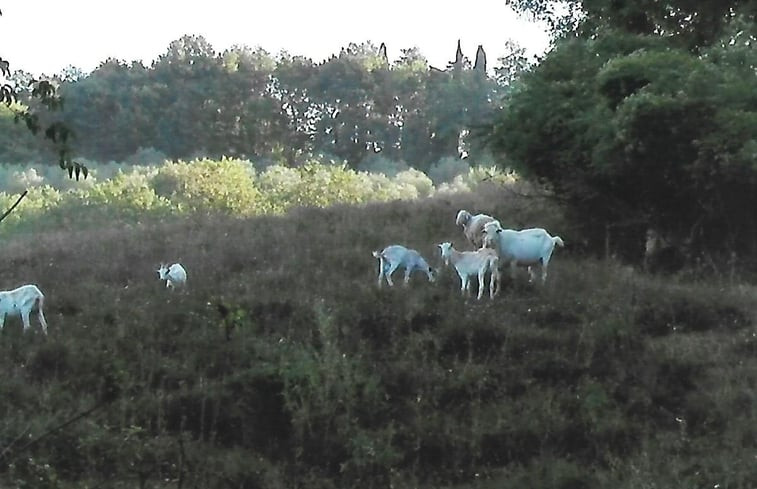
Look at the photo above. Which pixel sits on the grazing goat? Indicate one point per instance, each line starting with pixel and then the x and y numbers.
pixel 394 256
pixel 473 226
pixel 469 263
pixel 524 248
pixel 21 301
pixel 174 275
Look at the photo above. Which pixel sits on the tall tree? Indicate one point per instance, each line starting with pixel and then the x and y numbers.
pixel 291 86
pixel 110 110
pixel 644 126
pixel 689 24
pixel 184 77
pixel 248 119
pixel 512 64
pixel 345 85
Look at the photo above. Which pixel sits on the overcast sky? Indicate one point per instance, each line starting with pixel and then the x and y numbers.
pixel 44 36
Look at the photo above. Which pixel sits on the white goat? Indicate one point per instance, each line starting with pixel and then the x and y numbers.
pixel 469 263
pixel 174 275
pixel 21 301
pixel 473 226
pixel 524 248
pixel 395 256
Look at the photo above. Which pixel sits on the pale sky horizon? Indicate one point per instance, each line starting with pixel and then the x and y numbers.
pixel 44 37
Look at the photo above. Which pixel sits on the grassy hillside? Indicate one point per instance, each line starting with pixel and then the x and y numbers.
pixel 283 365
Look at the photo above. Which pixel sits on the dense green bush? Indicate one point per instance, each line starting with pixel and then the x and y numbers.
pixel 135 193
pixel 209 186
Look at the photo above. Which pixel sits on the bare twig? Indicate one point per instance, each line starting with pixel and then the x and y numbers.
pixel 52 430
pixel 14 205
pixel 6 449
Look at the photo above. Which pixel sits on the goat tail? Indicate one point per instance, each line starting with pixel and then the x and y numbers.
pixel 558 241
pixel 377 254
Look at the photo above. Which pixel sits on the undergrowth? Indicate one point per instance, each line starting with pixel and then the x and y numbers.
pixel 283 365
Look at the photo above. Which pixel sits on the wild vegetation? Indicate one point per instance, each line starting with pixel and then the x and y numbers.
pixel 244 102
pixel 283 365
pixel 131 194
pixel 642 116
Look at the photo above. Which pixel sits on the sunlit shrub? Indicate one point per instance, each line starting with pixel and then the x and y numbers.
pixel 279 185
pixel 117 192
pixel 416 178
pixel 383 188
pixel 323 185
pixel 31 211
pixel 458 184
pixel 205 185
pixel 126 194
pixel 320 185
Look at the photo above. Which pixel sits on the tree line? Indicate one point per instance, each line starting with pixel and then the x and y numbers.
pixel 244 102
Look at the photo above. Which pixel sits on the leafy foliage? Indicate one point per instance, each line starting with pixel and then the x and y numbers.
pixel 211 186
pixel 131 194
pixel 634 131
pixel 688 24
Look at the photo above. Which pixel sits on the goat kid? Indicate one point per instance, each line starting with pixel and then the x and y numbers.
pixel 21 301
pixel 468 263
pixel 395 256
pixel 174 275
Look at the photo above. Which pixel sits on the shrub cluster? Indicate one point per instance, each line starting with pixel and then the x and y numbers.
pixel 134 193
